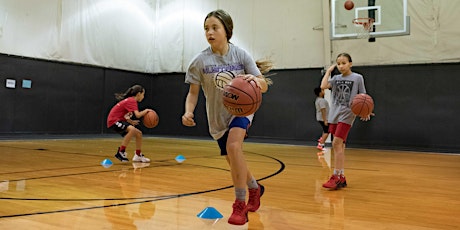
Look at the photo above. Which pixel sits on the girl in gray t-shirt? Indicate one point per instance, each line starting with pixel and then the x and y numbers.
pixel 344 87
pixel 211 70
pixel 322 111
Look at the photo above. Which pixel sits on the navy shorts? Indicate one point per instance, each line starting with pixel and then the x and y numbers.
pixel 240 122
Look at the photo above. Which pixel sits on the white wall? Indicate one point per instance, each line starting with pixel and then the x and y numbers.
pixel 164 35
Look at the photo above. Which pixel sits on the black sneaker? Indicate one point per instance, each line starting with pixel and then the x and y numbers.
pixel 121 156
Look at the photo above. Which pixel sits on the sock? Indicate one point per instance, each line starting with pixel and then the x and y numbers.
pixel 122 148
pixel 240 193
pixel 253 183
pixel 337 172
pixel 138 152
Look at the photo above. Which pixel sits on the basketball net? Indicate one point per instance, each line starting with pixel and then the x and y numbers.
pixel 363 27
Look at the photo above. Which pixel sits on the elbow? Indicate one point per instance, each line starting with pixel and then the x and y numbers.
pixel 325 86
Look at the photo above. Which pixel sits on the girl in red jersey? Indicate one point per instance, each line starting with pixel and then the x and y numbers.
pixel 119 120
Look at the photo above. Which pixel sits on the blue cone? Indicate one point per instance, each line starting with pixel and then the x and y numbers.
pixel 209 213
pixel 106 163
pixel 180 158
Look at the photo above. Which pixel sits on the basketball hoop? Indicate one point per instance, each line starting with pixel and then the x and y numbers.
pixel 363 27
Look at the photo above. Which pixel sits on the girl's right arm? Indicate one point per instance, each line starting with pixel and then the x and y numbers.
pixel 325 82
pixel 190 104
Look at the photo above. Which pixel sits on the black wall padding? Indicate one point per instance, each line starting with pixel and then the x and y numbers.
pixel 288 107
pixel 165 93
pixel 416 106
pixel 64 99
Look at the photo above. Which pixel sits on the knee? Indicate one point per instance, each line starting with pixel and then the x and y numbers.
pixel 233 148
pixel 337 143
pixel 136 132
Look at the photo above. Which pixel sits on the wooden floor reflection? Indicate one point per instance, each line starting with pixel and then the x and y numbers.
pixel 61 184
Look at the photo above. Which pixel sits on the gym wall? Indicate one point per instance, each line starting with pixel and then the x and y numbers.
pixel 416 106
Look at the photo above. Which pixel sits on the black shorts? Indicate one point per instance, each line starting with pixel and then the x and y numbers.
pixel 324 126
pixel 120 127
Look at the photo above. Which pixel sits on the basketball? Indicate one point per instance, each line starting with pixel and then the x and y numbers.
pixel 362 105
pixel 242 97
pixel 150 119
pixel 349 5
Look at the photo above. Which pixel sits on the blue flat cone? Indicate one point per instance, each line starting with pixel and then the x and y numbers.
pixel 180 158
pixel 210 213
pixel 106 163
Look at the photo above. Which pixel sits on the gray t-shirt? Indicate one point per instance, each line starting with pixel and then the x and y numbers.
pixel 213 72
pixel 321 103
pixel 344 89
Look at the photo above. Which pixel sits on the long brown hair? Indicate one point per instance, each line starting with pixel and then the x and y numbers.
pixel 265 65
pixel 225 19
pixel 132 91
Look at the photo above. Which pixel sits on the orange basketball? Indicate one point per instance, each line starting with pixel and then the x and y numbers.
pixel 242 97
pixel 349 5
pixel 151 119
pixel 362 105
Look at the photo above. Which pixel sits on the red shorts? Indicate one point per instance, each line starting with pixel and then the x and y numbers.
pixel 340 130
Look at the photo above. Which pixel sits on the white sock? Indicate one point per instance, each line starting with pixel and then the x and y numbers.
pixel 336 171
pixel 252 183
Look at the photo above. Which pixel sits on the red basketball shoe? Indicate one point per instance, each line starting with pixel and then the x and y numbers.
pixel 321 147
pixel 332 182
pixel 343 182
pixel 240 213
pixel 254 197
pixel 336 182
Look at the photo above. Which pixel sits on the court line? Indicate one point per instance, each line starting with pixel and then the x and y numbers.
pixel 148 199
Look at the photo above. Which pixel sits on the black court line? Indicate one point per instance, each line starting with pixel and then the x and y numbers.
pixel 105 171
pixel 144 200
pixel 91 166
pixel 48 150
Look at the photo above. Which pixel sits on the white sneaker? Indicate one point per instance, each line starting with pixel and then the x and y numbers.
pixel 141 158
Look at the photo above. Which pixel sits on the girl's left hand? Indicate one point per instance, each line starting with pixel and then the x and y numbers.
pixel 133 122
pixel 367 118
pixel 250 77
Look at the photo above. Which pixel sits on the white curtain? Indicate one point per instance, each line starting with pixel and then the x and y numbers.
pixel 157 36
pixel 135 34
pixel 30 29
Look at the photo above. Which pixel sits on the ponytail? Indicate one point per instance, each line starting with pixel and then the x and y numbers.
pixel 132 91
pixel 265 65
